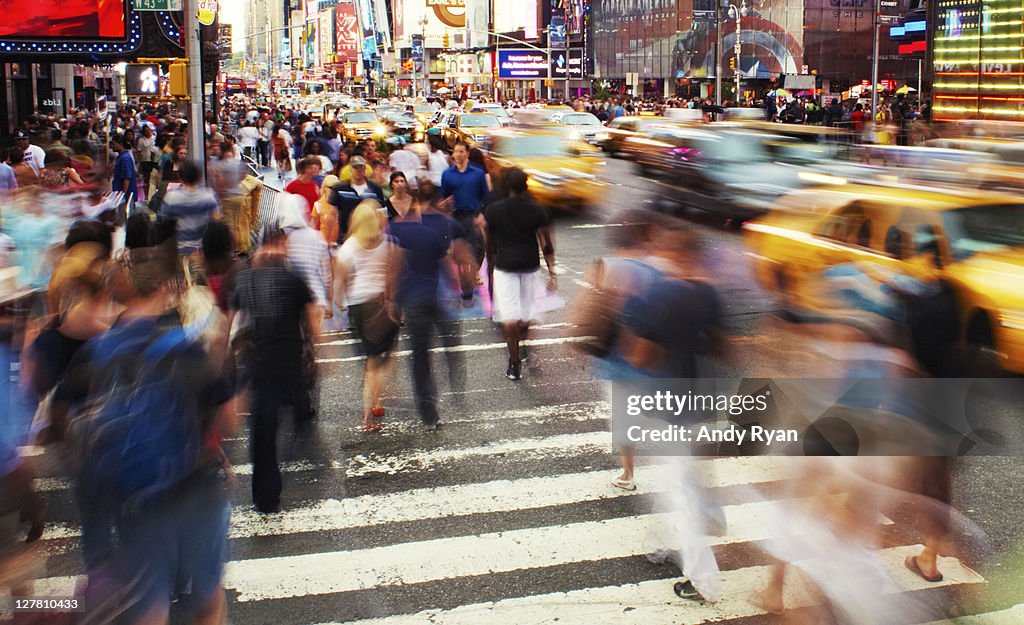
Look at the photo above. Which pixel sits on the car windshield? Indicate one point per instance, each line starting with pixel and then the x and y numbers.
pixel 580 119
pixel 532 145
pixel 424 108
pixel 479 120
pixel 401 116
pixel 359 118
pixel 497 111
pixel 984 229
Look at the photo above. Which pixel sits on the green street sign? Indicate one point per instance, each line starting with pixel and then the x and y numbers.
pixel 158 5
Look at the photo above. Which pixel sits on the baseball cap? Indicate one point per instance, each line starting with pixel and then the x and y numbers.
pixel 20 134
pixel 357 161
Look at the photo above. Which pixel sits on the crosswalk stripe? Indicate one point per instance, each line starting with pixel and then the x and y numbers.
pixel 467 348
pixel 1010 616
pixel 577 412
pixel 654 602
pixel 410 563
pixel 365 464
pixel 463 332
pixel 474 498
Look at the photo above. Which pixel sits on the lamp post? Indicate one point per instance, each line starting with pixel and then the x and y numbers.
pixel 423 58
pixel 737 13
pixel 718 53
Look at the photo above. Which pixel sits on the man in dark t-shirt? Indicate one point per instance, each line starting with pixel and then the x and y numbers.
pixel 677 316
pixel 424 245
pixel 517 232
pixel 276 303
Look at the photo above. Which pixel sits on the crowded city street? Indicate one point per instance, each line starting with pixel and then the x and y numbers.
pixel 517 312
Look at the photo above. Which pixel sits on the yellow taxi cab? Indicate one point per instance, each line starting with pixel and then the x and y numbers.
pixel 359 125
pixel 469 128
pixel 972 242
pixel 424 112
pixel 563 170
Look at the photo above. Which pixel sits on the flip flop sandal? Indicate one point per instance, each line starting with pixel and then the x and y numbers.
pixel 914 567
pixel 624 484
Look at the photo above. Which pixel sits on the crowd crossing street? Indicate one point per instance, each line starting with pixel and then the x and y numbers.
pixel 504 515
pixel 326 351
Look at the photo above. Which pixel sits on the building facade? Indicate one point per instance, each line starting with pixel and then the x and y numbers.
pixel 671 46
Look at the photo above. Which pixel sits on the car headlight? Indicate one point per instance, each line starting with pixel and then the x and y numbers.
pixel 382 130
pixel 1013 319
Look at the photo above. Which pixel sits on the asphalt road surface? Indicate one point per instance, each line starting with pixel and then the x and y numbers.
pixel 506 514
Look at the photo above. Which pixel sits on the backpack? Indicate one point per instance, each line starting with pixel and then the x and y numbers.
pixel 140 436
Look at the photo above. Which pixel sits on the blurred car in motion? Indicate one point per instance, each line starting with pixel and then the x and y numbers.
pixel 403 124
pixel 494 109
pixel 971 242
pixel 469 128
pixel 424 112
pixel 359 125
pixel 1007 151
pixel 622 128
pixel 586 124
pixel 563 170
pixel 734 173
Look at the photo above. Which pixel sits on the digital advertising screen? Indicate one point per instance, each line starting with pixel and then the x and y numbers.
pixel 63 19
pixel 522 64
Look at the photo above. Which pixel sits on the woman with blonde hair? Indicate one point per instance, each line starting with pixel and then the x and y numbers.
pixel 325 214
pixel 365 272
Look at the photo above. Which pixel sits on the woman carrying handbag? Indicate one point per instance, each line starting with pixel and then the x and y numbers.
pixel 365 269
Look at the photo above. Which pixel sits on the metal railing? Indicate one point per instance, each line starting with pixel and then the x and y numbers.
pixel 267 213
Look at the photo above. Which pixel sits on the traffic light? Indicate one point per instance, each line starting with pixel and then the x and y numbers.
pixel 178 81
pixel 446 41
pixel 732 63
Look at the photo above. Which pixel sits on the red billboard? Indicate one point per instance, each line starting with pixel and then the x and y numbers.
pixel 63 19
pixel 346 32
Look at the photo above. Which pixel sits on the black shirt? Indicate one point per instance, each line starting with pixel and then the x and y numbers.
pixel 513 223
pixel 274 301
pixel 53 352
pixel 677 315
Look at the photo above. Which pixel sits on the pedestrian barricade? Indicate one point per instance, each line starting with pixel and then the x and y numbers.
pixel 266 216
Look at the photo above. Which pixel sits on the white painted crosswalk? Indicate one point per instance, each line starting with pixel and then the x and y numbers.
pixel 653 601
pixel 535 533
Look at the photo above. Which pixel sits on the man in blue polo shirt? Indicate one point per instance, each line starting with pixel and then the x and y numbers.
pixel 123 179
pixel 464 189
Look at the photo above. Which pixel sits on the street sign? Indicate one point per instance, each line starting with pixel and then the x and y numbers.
pixel 737 48
pixel 888 19
pixel 158 5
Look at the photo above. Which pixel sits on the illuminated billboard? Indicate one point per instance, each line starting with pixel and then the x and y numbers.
pixel 64 19
pixel 522 64
pixel 444 17
pixel 979 60
pixel 346 32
